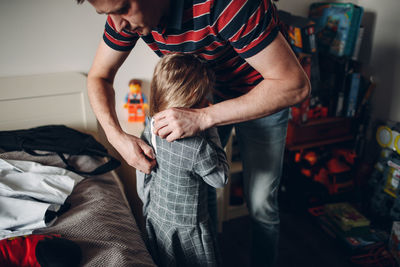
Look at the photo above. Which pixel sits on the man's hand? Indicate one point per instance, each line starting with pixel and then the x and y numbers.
pixel 176 123
pixel 136 152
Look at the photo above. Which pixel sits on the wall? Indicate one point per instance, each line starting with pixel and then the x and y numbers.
pixel 381 50
pixel 45 36
pixel 49 36
pixel 53 36
pixel 385 57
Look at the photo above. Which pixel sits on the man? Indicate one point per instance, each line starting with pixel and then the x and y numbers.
pixel 257 78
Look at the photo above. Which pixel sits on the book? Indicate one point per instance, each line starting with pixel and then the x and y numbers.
pixel 362 239
pixel 345 216
pixel 333 73
pixel 352 240
pixel 357 46
pixel 337 27
pixel 340 104
pixel 370 86
pixel 352 99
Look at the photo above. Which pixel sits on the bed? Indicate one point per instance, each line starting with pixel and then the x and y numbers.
pixel 99 219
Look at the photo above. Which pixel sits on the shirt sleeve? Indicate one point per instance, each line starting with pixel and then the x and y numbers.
pixel 120 41
pixel 249 26
pixel 211 163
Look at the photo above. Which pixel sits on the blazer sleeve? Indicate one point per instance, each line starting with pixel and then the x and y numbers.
pixel 211 163
pixel 143 180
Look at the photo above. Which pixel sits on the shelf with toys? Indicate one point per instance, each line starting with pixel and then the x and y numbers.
pixel 327 131
pixel 327 168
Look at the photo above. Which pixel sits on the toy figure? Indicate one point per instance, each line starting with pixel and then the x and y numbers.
pixel 136 102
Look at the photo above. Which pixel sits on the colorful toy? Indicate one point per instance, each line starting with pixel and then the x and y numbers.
pixel 340 176
pixel 337 26
pixel 388 138
pixel 136 102
pixel 332 168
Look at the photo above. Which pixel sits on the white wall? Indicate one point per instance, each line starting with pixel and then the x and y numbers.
pixel 46 36
pixel 385 57
pixel 382 55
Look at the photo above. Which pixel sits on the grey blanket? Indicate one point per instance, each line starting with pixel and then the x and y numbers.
pixel 99 220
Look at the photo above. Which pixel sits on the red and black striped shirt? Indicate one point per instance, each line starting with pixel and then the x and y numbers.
pixel 222 32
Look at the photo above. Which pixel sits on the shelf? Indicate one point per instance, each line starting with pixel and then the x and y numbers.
pixel 237 211
pixel 319 132
pixel 236 167
pixel 320 143
pixel 225 210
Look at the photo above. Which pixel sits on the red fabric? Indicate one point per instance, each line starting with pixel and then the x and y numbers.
pixel 20 251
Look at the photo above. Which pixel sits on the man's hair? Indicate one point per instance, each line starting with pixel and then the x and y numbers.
pixel 179 80
pixel 80 1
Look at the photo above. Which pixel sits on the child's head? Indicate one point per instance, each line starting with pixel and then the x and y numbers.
pixel 180 80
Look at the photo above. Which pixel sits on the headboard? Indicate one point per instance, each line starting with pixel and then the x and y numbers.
pixel 34 100
pixel 59 98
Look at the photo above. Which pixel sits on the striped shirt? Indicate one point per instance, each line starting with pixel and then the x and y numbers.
pixel 222 32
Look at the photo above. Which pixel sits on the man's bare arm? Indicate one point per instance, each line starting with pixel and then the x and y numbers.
pixel 285 84
pixel 102 98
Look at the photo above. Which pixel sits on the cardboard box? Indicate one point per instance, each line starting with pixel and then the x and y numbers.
pixel 337 26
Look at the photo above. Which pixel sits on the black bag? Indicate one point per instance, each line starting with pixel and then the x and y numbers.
pixel 61 140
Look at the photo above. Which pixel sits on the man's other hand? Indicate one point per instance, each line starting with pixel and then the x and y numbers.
pixel 176 123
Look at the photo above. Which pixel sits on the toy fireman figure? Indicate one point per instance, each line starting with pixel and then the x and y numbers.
pixel 136 102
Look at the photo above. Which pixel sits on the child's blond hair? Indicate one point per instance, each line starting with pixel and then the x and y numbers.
pixel 179 80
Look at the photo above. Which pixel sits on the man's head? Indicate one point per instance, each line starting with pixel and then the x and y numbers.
pixel 180 80
pixel 133 15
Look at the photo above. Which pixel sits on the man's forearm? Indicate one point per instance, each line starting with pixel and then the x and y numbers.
pixel 102 99
pixel 266 98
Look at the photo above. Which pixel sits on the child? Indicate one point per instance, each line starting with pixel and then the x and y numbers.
pixel 179 230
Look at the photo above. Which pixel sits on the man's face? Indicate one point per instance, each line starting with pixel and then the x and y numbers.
pixel 133 15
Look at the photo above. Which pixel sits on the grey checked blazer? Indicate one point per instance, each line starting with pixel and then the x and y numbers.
pixel 175 198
